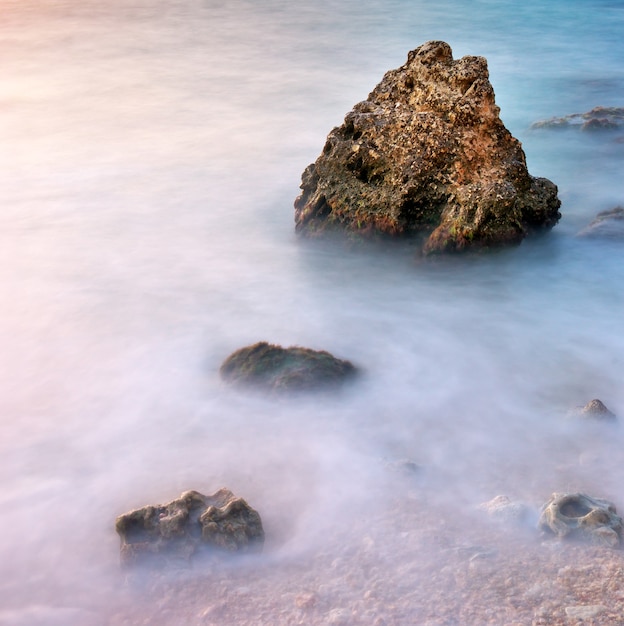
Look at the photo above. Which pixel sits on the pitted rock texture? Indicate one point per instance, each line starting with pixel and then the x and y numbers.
pixel 178 530
pixel 273 368
pixel 427 155
pixel 579 516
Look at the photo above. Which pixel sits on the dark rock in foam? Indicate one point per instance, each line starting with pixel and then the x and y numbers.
pixel 427 155
pixel 272 367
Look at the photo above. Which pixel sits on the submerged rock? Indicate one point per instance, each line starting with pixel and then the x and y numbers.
pixel 275 368
pixel 405 467
pixel 607 224
pixel 427 155
pixel 503 509
pixel 178 530
pixel 598 119
pixel 579 516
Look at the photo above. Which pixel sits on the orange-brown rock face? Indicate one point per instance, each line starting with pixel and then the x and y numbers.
pixel 427 154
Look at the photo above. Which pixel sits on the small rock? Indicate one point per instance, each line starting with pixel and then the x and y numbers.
pixel 272 367
pixel 502 509
pixel 587 611
pixel 594 410
pixel 579 516
pixel 177 530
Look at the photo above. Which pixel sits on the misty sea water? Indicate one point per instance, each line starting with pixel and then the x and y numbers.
pixel 150 155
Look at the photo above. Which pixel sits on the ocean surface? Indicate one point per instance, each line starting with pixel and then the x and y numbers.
pixel 150 154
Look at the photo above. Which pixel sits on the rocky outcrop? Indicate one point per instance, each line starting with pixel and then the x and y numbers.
pixel 427 155
pixel 194 522
pixel 579 516
pixel 607 224
pixel 598 119
pixel 274 368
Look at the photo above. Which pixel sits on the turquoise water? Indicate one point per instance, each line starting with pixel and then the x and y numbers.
pixel 151 153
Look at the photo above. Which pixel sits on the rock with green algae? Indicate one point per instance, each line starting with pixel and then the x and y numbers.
pixel 161 534
pixel 274 368
pixel 427 155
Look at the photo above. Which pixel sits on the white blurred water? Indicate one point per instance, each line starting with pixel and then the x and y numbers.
pixel 150 154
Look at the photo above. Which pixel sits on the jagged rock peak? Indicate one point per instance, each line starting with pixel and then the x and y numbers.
pixel 427 155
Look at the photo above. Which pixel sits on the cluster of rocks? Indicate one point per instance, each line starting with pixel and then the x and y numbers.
pixel 575 516
pixel 608 224
pixel 196 524
pixel 427 155
pixel 571 516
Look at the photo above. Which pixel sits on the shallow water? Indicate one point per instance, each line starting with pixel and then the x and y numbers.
pixel 151 154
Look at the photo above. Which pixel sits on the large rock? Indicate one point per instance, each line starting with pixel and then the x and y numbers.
pixel 274 368
pixel 427 154
pixel 178 530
